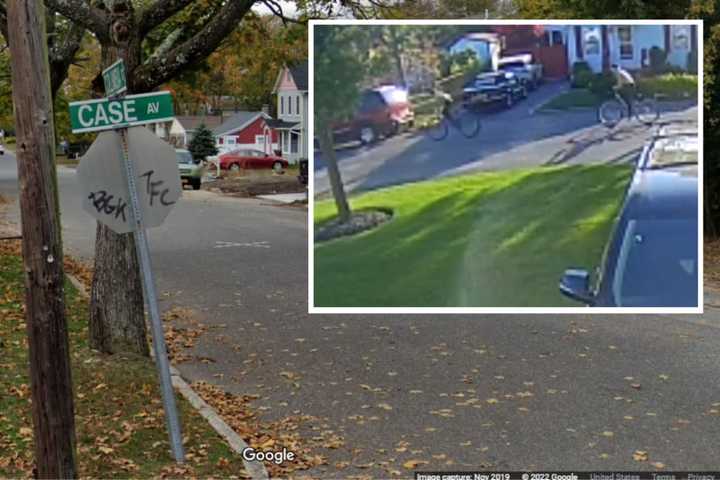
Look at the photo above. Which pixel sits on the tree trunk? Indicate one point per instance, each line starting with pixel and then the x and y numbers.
pixel 48 349
pixel 117 319
pixel 397 55
pixel 326 145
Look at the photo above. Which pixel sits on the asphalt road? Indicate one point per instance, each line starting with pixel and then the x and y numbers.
pixel 459 392
pixel 518 137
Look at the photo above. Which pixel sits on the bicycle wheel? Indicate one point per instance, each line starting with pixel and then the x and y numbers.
pixel 646 111
pixel 611 112
pixel 469 125
pixel 439 130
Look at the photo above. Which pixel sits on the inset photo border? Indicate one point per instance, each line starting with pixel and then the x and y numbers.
pixel 505 166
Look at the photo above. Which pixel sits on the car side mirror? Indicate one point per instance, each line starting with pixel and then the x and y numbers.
pixel 575 284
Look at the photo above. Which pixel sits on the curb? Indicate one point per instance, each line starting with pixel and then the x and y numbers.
pixel 255 468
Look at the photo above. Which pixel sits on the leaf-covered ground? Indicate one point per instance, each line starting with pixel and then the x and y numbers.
pixel 119 417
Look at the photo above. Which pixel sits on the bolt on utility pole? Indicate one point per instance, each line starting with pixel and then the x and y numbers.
pixel 50 376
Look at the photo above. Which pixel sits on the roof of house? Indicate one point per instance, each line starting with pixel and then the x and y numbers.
pixel 281 124
pixel 299 73
pixel 192 122
pixel 237 122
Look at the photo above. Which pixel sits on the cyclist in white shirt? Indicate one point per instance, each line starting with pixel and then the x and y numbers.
pixel 624 84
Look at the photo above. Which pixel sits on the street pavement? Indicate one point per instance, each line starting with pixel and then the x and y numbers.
pixel 518 137
pixel 459 392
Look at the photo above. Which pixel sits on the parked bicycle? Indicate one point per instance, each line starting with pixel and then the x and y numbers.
pixel 611 112
pixel 463 120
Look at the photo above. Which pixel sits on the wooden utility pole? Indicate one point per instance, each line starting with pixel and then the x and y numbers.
pixel 50 378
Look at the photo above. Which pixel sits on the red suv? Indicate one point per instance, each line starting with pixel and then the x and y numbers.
pixel 382 112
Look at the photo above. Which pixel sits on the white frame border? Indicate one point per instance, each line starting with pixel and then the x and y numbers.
pixel 312 309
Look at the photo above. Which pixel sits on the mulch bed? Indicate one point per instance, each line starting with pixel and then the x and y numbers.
pixel 252 185
pixel 359 222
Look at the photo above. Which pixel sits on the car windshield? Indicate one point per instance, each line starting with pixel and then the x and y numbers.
pixel 184 157
pixel 513 65
pixel 674 151
pixel 657 264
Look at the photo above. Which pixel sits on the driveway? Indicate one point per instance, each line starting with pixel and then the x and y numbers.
pixel 518 137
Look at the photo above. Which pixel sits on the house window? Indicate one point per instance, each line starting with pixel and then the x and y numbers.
pixel 592 41
pixel 557 37
pixel 285 142
pixel 289 105
pixel 282 104
pixel 681 37
pixel 293 142
pixel 624 34
pixel 231 140
pixel 260 140
pixel 297 105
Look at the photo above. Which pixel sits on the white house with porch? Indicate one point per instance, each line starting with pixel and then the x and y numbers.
pixel 626 45
pixel 291 88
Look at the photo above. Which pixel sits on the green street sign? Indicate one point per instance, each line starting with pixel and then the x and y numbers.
pixel 105 114
pixel 114 78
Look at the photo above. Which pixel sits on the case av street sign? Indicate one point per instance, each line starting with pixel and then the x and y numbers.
pixel 106 114
pixel 114 79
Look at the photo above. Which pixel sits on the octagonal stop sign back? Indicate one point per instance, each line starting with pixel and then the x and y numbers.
pixel 104 188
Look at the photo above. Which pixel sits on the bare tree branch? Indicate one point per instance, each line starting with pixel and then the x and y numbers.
pixel 276 10
pixel 62 56
pixel 157 13
pixel 81 13
pixel 158 70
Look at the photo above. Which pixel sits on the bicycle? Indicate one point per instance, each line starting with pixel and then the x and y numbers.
pixel 462 119
pixel 611 112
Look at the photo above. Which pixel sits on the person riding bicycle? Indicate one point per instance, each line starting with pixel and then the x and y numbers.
pixel 625 86
pixel 447 101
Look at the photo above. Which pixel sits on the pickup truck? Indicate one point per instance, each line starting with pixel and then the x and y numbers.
pixel 493 87
pixel 529 73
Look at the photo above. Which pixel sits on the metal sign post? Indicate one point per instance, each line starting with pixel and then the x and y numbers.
pixel 158 336
pixel 118 113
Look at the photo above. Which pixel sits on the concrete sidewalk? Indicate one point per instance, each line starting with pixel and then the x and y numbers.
pixel 286 198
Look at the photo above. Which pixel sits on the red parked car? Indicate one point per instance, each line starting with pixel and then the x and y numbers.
pixel 247 159
pixel 382 112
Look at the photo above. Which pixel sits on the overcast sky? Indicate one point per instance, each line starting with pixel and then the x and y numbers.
pixel 288 8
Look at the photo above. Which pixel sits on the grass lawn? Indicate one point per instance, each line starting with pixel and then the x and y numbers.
pixel 119 417
pixel 575 98
pixel 487 240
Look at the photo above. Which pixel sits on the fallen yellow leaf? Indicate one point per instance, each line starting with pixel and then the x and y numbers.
pixel 411 464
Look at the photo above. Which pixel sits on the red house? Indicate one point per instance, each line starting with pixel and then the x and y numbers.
pixel 246 130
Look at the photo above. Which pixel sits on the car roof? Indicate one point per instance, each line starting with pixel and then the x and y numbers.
pixel 668 193
pixel 670 148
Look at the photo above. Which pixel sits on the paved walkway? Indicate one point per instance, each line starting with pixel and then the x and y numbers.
pixel 285 197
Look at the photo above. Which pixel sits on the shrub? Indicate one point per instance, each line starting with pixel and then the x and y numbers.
pixel 670 85
pixel 601 84
pixel 658 60
pixel 581 74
